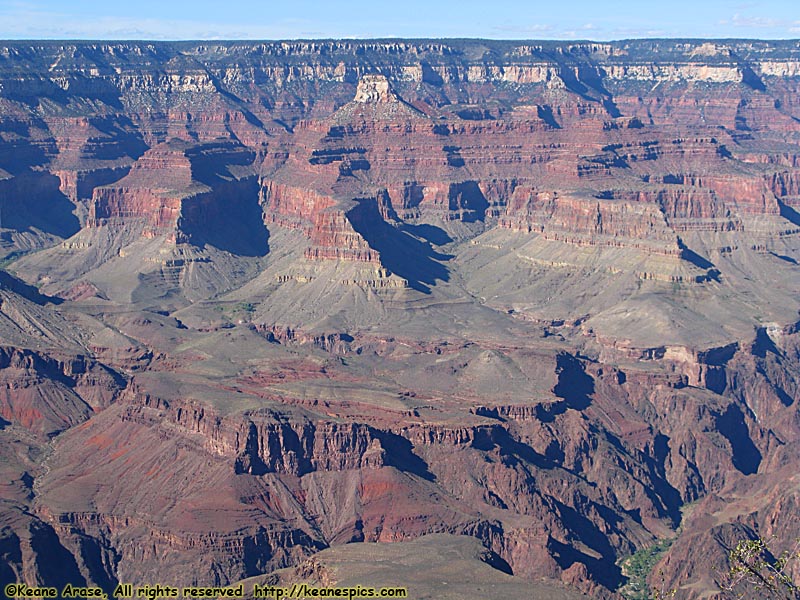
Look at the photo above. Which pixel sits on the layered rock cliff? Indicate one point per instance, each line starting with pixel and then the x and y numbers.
pixel 275 297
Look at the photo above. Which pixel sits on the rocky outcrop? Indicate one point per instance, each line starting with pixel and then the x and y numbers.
pixel 292 207
pixel 374 88
pixel 173 188
pixel 591 221
pixel 46 394
pixel 263 443
pixel 334 237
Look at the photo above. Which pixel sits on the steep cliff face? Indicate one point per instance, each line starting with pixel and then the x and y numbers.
pixel 46 395
pixel 291 295
pixel 171 187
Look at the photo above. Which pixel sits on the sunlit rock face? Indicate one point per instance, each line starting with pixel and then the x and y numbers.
pixel 374 88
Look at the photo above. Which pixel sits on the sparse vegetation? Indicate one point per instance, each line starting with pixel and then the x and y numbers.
pixel 11 257
pixel 638 567
pixel 241 311
pixel 756 572
pixel 245 307
pixel 242 307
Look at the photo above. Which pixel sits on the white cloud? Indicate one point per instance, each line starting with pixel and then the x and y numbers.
pixel 20 21
pixel 758 22
pixel 638 32
pixel 526 29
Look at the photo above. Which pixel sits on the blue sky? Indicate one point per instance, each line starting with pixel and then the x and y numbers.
pixel 269 19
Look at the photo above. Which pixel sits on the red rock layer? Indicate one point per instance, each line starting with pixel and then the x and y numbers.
pixel 46 394
pixel 151 192
pixel 174 189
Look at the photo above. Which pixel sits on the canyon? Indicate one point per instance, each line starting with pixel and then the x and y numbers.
pixel 270 309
